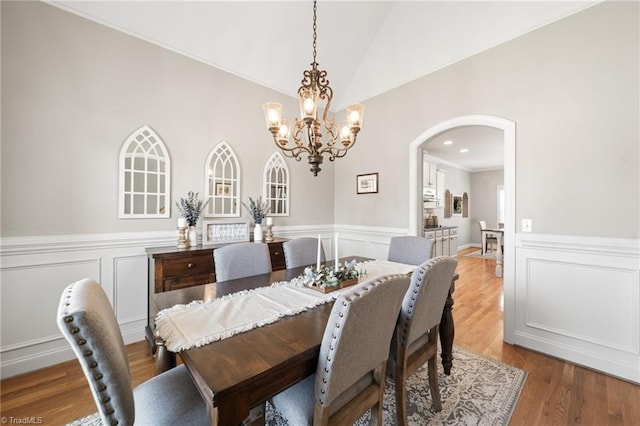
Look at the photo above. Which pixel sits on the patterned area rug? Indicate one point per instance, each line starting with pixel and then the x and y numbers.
pixel 480 391
pixel 478 254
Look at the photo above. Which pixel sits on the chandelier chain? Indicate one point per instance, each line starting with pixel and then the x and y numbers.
pixel 314 32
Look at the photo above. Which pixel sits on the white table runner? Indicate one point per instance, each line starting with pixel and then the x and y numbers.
pixel 377 268
pixel 199 323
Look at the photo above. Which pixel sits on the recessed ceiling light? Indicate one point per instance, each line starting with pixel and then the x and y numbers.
pixel 463 150
pixel 447 143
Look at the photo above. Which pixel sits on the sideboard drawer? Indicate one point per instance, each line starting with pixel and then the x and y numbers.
pixel 188 266
pixel 189 281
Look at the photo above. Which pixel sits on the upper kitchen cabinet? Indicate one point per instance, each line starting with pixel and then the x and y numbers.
pixel 429 175
pixel 433 185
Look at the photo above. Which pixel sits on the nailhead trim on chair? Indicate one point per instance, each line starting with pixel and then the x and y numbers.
pixel 101 387
pixel 405 325
pixel 339 324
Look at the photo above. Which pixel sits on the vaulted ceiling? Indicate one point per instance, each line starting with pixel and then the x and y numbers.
pixel 367 47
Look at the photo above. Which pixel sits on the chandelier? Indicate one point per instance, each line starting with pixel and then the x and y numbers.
pixel 307 131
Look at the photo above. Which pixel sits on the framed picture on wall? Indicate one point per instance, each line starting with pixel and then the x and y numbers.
pixel 457 205
pixel 367 184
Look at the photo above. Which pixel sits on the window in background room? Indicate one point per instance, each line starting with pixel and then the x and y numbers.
pixel 222 182
pixel 276 185
pixel 145 174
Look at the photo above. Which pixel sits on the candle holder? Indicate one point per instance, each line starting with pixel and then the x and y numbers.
pixel 268 237
pixel 182 237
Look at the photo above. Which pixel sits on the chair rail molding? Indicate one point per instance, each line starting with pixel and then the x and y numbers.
pixel 12 246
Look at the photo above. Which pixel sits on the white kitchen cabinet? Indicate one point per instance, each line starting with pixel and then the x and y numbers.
pixel 438 245
pixel 453 242
pixel 429 175
pixel 431 235
pixel 445 241
pixel 440 189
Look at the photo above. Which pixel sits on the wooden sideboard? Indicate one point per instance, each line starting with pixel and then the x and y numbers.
pixel 171 268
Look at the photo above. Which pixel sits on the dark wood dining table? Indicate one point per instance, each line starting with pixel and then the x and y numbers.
pixel 239 373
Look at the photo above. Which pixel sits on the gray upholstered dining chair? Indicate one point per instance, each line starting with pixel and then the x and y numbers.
pixel 241 260
pixel 302 252
pixel 350 376
pixel 87 321
pixel 415 340
pixel 410 250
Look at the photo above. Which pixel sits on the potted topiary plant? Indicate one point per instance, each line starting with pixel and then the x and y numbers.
pixel 258 210
pixel 191 209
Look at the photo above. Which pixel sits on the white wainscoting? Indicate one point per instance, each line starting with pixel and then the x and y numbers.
pixel 366 241
pixel 34 272
pixel 578 298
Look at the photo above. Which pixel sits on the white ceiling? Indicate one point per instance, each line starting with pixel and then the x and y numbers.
pixel 485 147
pixel 367 47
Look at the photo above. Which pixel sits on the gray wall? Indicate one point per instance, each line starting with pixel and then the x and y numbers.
pixel 484 200
pixel 73 90
pixel 481 188
pixel 457 181
pixel 572 89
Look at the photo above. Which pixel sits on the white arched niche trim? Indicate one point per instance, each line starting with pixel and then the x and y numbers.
pixel 222 182
pixel 415 195
pixel 275 186
pixel 145 176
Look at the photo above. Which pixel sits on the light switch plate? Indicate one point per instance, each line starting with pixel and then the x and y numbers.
pixel 526 225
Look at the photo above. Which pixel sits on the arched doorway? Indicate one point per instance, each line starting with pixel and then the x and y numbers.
pixel 415 197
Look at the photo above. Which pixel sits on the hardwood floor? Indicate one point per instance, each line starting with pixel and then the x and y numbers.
pixel 556 392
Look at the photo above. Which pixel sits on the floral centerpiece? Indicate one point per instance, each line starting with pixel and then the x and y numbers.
pixel 258 209
pixel 327 278
pixel 191 208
